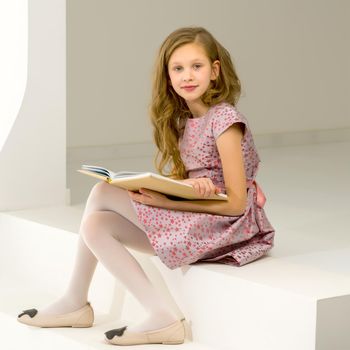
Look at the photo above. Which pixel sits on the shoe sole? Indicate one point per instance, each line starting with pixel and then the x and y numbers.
pixel 173 342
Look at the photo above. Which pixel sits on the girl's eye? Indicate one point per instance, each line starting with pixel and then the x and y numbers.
pixel 177 69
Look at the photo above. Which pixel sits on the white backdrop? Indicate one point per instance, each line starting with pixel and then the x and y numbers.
pixel 13 61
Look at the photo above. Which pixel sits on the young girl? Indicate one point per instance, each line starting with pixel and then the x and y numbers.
pixel 207 143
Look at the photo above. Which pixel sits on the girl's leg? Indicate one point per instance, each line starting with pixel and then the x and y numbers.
pixel 109 224
pixel 84 267
pixel 105 234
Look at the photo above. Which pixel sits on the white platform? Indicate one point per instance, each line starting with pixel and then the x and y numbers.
pixel 298 297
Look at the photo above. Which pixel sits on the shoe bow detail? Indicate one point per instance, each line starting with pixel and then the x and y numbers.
pixel 113 332
pixel 29 312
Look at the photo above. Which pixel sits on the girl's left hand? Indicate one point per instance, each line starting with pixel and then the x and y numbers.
pixel 149 197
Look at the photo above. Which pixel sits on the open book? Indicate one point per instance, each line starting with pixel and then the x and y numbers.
pixel 133 181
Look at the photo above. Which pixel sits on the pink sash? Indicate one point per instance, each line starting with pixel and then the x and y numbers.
pixel 260 197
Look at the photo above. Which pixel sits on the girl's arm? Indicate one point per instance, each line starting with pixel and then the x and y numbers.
pixel 230 151
pixel 216 207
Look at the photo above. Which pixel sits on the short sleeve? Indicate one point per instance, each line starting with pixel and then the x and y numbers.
pixel 224 117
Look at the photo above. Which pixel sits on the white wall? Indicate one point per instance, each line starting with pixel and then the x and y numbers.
pixel 13 62
pixel 292 57
pixel 33 159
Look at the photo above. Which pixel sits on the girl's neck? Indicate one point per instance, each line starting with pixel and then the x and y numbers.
pixel 198 109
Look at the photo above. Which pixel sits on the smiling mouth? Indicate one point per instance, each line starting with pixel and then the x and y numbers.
pixel 189 88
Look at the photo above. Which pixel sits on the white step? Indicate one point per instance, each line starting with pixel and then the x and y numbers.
pixel 271 304
pixel 299 302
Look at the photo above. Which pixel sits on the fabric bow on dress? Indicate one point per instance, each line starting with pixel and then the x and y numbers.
pixel 260 196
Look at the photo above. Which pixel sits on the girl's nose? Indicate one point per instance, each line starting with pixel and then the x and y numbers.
pixel 187 77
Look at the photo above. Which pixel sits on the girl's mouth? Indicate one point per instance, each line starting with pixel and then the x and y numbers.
pixel 189 88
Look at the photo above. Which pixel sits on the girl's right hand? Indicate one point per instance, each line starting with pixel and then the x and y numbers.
pixel 203 186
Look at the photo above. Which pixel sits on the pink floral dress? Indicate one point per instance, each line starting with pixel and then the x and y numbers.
pixel 181 237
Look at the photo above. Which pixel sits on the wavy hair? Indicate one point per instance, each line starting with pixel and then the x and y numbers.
pixel 169 111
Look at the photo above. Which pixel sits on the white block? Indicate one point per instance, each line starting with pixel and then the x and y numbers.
pixel 269 304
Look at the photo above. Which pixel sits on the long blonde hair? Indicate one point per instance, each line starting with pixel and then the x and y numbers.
pixel 169 111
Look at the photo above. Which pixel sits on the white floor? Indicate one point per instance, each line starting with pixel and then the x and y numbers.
pixel 307 189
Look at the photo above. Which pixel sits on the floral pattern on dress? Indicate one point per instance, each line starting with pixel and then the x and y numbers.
pixel 181 237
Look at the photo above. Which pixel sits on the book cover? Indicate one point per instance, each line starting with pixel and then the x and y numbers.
pixel 133 181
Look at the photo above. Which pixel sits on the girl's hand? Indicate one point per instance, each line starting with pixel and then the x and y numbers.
pixel 149 197
pixel 203 186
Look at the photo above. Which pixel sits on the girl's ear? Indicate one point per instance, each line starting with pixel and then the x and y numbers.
pixel 215 70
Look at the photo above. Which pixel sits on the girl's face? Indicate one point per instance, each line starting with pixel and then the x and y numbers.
pixel 190 72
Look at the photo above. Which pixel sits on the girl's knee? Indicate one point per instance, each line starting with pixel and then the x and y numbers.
pixel 103 188
pixel 100 188
pixel 91 227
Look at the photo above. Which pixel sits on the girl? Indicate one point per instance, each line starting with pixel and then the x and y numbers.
pixel 207 143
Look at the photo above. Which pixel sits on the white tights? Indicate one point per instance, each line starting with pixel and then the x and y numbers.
pixel 109 223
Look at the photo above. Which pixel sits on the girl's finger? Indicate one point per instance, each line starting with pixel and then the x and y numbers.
pixel 196 186
pixel 208 187
pixel 204 188
pixel 199 187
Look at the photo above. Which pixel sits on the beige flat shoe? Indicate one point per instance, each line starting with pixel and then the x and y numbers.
pixel 83 317
pixel 172 334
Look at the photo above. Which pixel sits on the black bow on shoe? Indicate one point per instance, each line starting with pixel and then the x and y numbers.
pixel 30 312
pixel 113 332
